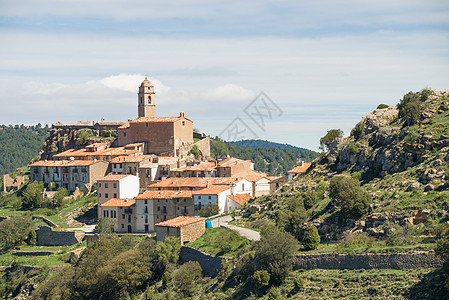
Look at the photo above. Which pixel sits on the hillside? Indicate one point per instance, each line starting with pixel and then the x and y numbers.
pixel 271 160
pixel 395 166
pixel 19 144
pixel 265 144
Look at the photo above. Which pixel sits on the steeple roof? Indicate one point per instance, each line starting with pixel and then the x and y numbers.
pixel 146 82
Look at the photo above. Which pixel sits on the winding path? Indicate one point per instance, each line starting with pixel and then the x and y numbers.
pixel 224 222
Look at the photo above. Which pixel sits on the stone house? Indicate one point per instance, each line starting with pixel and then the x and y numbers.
pixel 261 185
pixel 68 174
pixel 203 169
pixel 187 229
pixel 122 212
pixel 276 182
pixel 116 186
pixel 155 206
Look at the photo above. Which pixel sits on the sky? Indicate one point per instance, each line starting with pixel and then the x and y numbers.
pixel 284 71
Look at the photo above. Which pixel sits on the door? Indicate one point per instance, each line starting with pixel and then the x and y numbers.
pixel 130 229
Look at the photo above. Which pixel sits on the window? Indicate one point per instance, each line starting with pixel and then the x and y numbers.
pixel 183 123
pixel 104 214
pixel 129 218
pixel 147 124
pixel 210 197
pixel 115 185
pixel 99 185
pixel 106 185
pixel 115 214
pixel 124 134
pixel 243 187
pixel 158 208
pixel 146 219
pixel 123 225
pixel 99 195
pixel 178 207
pixel 146 209
pixel 147 228
pixel 106 195
pixel 146 201
pixel 115 195
pixel 123 216
pixel 199 197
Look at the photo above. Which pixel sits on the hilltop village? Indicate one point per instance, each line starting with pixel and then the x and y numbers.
pixel 158 172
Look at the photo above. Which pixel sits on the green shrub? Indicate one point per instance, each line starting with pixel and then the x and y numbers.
pixel 353 200
pixel 410 107
pixel 298 282
pixel 357 175
pixel 310 199
pixel 411 137
pixel 209 210
pixel 353 148
pixel 329 138
pixel 382 106
pixel 261 279
pixel 358 132
pixel 311 238
pixel 274 294
pixel 185 276
pixel 356 240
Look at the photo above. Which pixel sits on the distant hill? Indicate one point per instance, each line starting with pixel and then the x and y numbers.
pixel 19 144
pixel 273 159
pixel 265 144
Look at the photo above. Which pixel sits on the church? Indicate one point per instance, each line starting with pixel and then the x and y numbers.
pixel 164 136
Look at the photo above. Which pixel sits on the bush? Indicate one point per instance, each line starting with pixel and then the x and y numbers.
pixel 353 200
pixel 14 231
pixel 274 294
pixel 403 235
pixel 310 199
pixel 209 210
pixel 358 132
pixel 185 276
pixel 410 107
pixel 353 148
pixel 382 106
pixel 298 282
pixel 105 225
pixel 32 196
pixel 356 240
pixel 275 251
pixel 311 238
pixel 261 279
pixel 411 137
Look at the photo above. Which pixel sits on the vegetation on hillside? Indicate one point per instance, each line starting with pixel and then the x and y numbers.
pixel 265 144
pixel 272 160
pixel 19 144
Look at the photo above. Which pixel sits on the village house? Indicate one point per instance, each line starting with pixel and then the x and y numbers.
pixel 235 201
pixel 116 186
pixel 187 229
pixel 70 174
pixel 298 170
pixel 121 212
pixel 260 185
pixel 155 206
pixel 158 169
pixel 102 153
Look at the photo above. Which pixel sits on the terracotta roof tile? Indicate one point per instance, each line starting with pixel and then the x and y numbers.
pixel 164 194
pixel 47 163
pixel 213 190
pixel 132 158
pixel 180 221
pixel 114 177
pixel 115 202
pixel 300 169
pixel 239 198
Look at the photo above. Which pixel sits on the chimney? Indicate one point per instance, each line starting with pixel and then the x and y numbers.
pixel 233 189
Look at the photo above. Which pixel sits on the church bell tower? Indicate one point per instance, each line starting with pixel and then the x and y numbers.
pixel 146 103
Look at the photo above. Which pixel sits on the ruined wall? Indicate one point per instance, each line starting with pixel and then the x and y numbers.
pixel 367 261
pixel 47 237
pixel 209 263
pixel 204 146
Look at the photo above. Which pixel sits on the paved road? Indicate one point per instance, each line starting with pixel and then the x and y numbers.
pixel 248 233
pixel 85 228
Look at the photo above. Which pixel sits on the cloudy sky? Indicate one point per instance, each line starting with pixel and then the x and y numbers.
pixel 322 64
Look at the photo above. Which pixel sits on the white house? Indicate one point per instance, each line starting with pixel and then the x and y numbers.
pixel 118 186
pixel 235 201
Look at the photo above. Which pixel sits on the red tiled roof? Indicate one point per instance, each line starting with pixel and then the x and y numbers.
pixel 207 166
pixel 114 177
pixel 240 198
pixel 180 221
pixel 133 158
pixel 115 202
pixel 47 163
pixel 254 178
pixel 300 169
pixel 213 190
pixel 164 194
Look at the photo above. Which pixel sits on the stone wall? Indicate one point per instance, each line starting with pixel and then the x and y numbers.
pixel 209 263
pixel 191 232
pixel 367 261
pixel 15 183
pixel 47 237
pixel 204 146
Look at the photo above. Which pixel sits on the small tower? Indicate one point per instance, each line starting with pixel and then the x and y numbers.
pixel 147 105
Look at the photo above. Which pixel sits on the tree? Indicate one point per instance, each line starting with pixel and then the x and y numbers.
pixel 353 200
pixel 186 275
pixel 329 138
pixel 410 107
pixel 14 231
pixel 32 196
pixel 358 132
pixel 261 279
pixel 105 225
pixel 311 238
pixel 274 252
pixel 209 210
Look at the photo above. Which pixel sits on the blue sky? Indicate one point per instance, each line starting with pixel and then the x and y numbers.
pixel 324 63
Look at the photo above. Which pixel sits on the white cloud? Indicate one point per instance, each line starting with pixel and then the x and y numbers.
pixel 229 92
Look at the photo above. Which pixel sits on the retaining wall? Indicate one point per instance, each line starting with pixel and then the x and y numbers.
pixel 209 263
pixel 367 261
pixel 47 237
